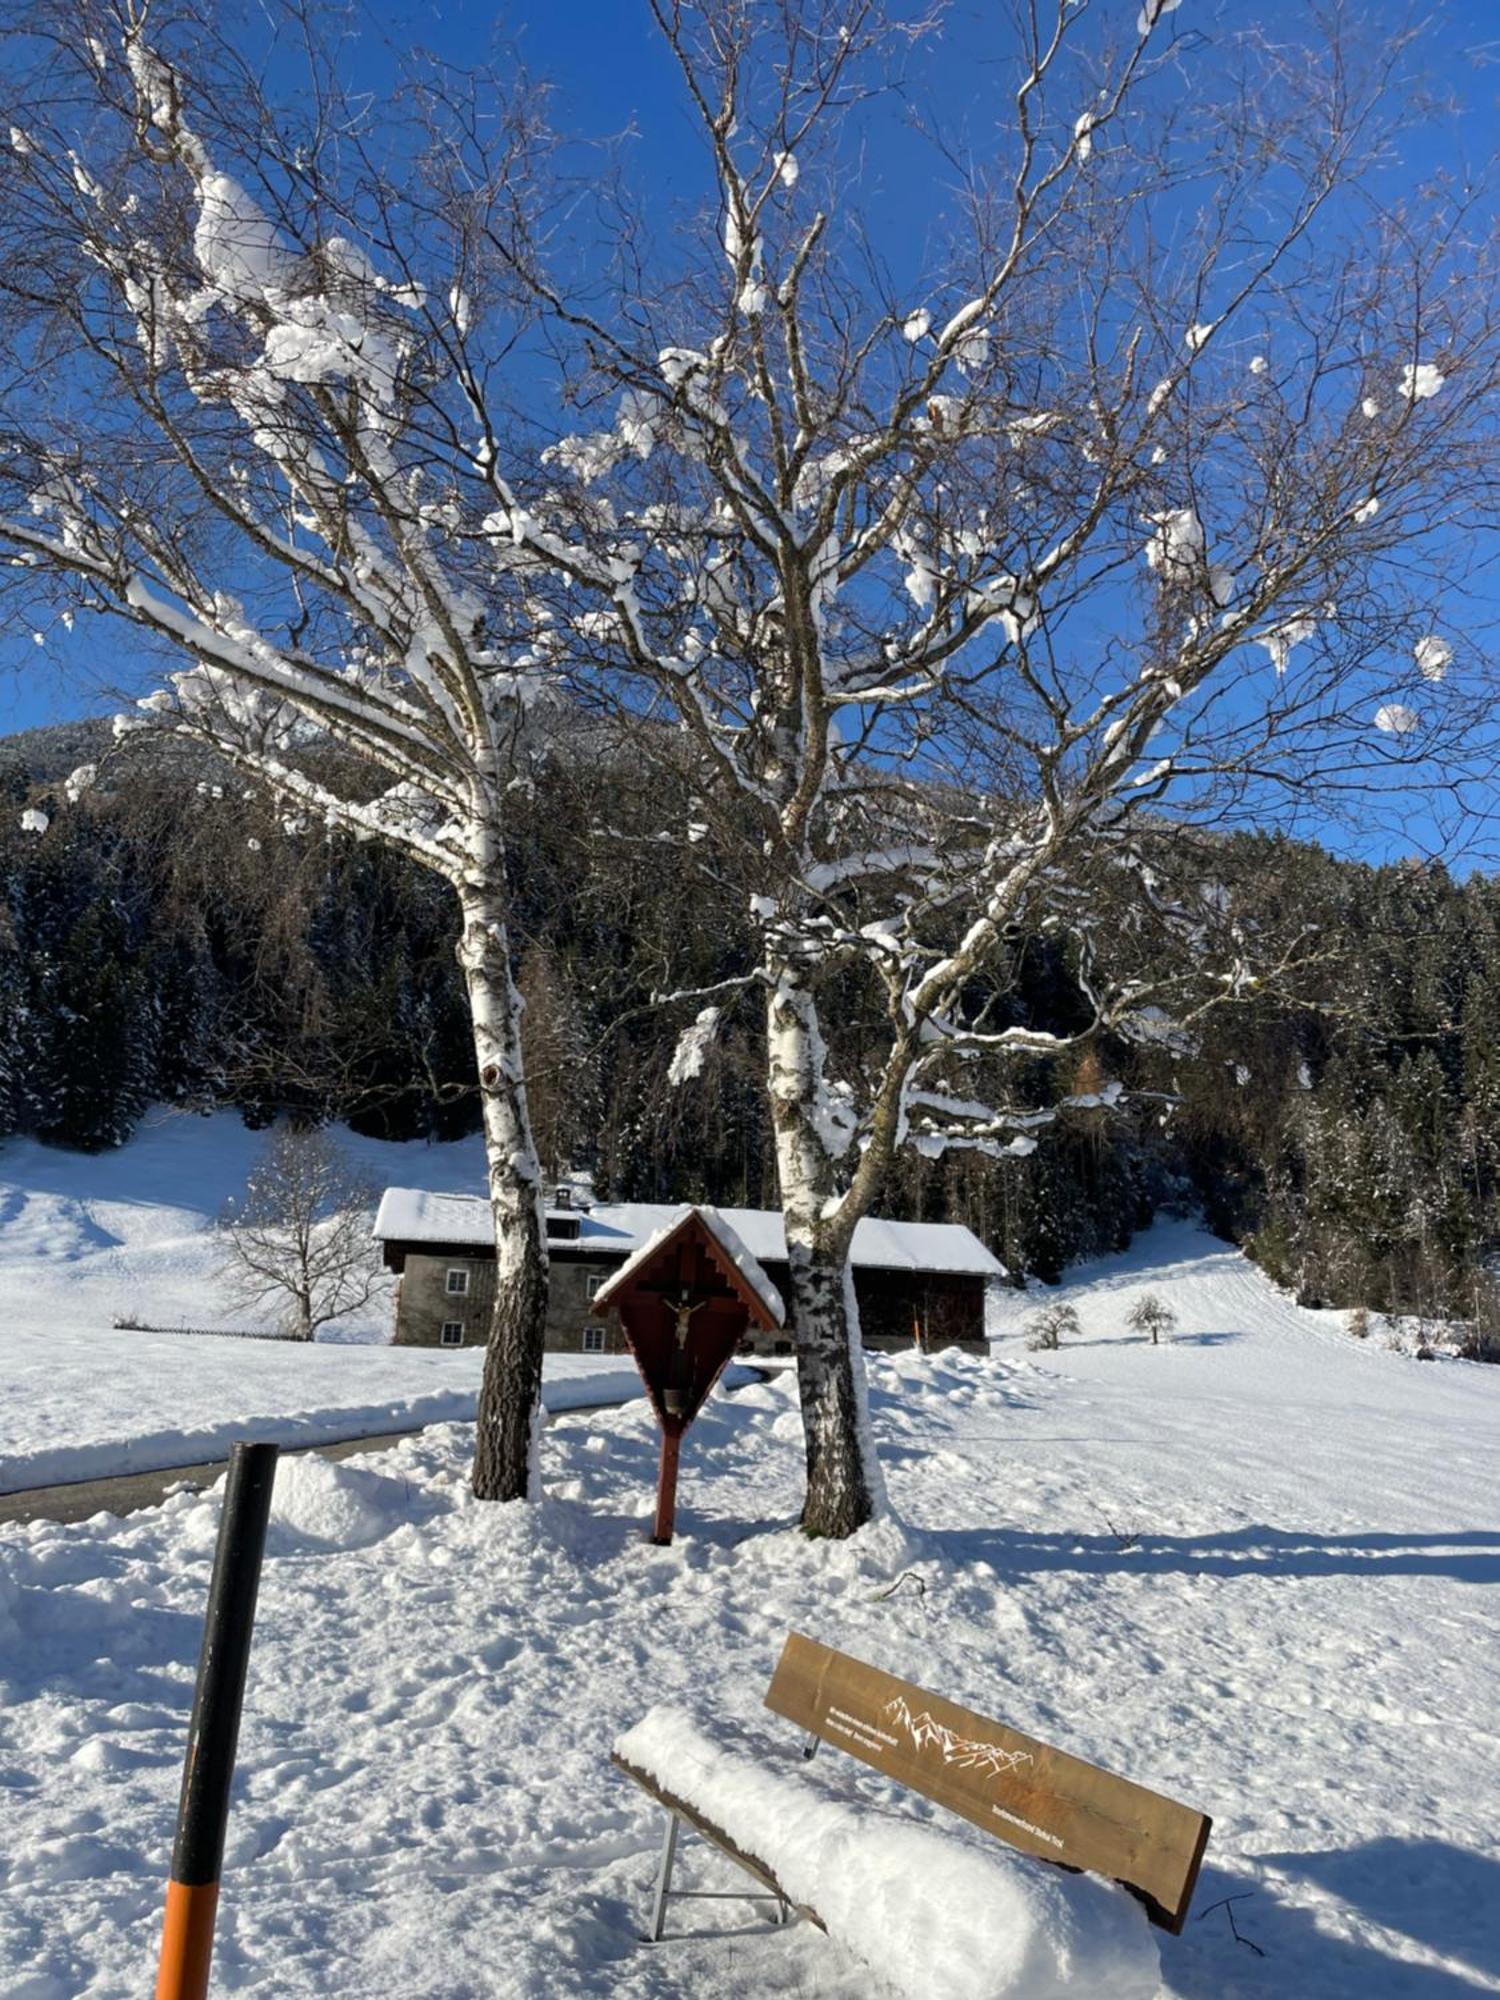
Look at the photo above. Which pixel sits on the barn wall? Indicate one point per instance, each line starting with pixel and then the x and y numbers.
pixel 946 1307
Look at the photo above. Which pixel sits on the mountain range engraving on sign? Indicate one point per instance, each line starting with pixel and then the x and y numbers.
pixel 1025 1792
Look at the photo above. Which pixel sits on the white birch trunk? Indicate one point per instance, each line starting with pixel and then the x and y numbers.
pixel 844 1487
pixel 507 1441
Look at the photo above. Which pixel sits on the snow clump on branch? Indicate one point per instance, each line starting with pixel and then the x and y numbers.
pixel 693 1045
pixel 1151 13
pixel 1280 639
pixel 1175 550
pixel 1421 381
pixel 1395 719
pixel 1433 655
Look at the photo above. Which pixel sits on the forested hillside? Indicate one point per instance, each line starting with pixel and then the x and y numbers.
pixel 172 937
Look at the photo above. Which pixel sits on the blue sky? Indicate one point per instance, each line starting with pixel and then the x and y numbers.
pixel 612 78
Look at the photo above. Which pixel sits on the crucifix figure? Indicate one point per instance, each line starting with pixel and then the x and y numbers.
pixel 682 1312
pixel 679 1370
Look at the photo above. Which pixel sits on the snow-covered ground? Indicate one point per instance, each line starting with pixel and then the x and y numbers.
pixel 1255 1568
pixel 86 1239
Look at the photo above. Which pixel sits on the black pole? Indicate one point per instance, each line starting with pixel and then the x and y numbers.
pixel 213 1734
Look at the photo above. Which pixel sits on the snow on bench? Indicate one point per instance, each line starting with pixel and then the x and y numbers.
pixel 927 1913
pixel 927 1910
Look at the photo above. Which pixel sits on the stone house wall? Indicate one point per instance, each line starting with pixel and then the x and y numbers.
pixel 426 1302
pixel 947 1308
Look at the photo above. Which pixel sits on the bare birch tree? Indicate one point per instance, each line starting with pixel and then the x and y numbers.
pixel 228 393
pixel 1151 503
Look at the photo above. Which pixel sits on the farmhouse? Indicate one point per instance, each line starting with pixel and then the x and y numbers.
pixel 916 1282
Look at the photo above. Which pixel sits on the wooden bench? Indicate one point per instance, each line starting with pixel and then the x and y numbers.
pixel 1036 1799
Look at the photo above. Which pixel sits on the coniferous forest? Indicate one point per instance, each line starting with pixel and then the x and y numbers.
pixel 174 938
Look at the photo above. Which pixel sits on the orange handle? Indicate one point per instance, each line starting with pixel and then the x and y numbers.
pixel 187 1941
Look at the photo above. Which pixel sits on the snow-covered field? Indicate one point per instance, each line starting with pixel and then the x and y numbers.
pixel 86 1239
pixel 1255 1568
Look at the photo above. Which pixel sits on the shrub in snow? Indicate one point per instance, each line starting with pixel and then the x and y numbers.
pixel 1151 1315
pixel 1358 1323
pixel 1480 1340
pixel 1051 1325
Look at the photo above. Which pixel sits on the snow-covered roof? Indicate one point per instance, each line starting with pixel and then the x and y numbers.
pixel 411 1215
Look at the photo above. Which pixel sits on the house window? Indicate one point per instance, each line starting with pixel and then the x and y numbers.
pixel 593 1339
pixel 453 1333
pixel 458 1281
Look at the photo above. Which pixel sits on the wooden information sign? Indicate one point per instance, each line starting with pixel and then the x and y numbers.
pixel 1036 1798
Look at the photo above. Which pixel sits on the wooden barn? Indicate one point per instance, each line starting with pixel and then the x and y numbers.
pixel 917 1283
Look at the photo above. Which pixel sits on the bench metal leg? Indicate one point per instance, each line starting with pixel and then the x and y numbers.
pixel 664 1877
pixel 664 1890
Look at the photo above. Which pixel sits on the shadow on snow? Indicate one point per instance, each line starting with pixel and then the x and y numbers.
pixel 1467 1556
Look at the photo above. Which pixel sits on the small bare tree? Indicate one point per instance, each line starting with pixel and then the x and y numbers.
pixel 299 1241
pixel 1151 1315
pixel 1051 1325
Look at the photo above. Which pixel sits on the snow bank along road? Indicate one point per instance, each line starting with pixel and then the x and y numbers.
pixel 129 1492
pixel 173 1403
pixel 1256 1568
pixel 86 1239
